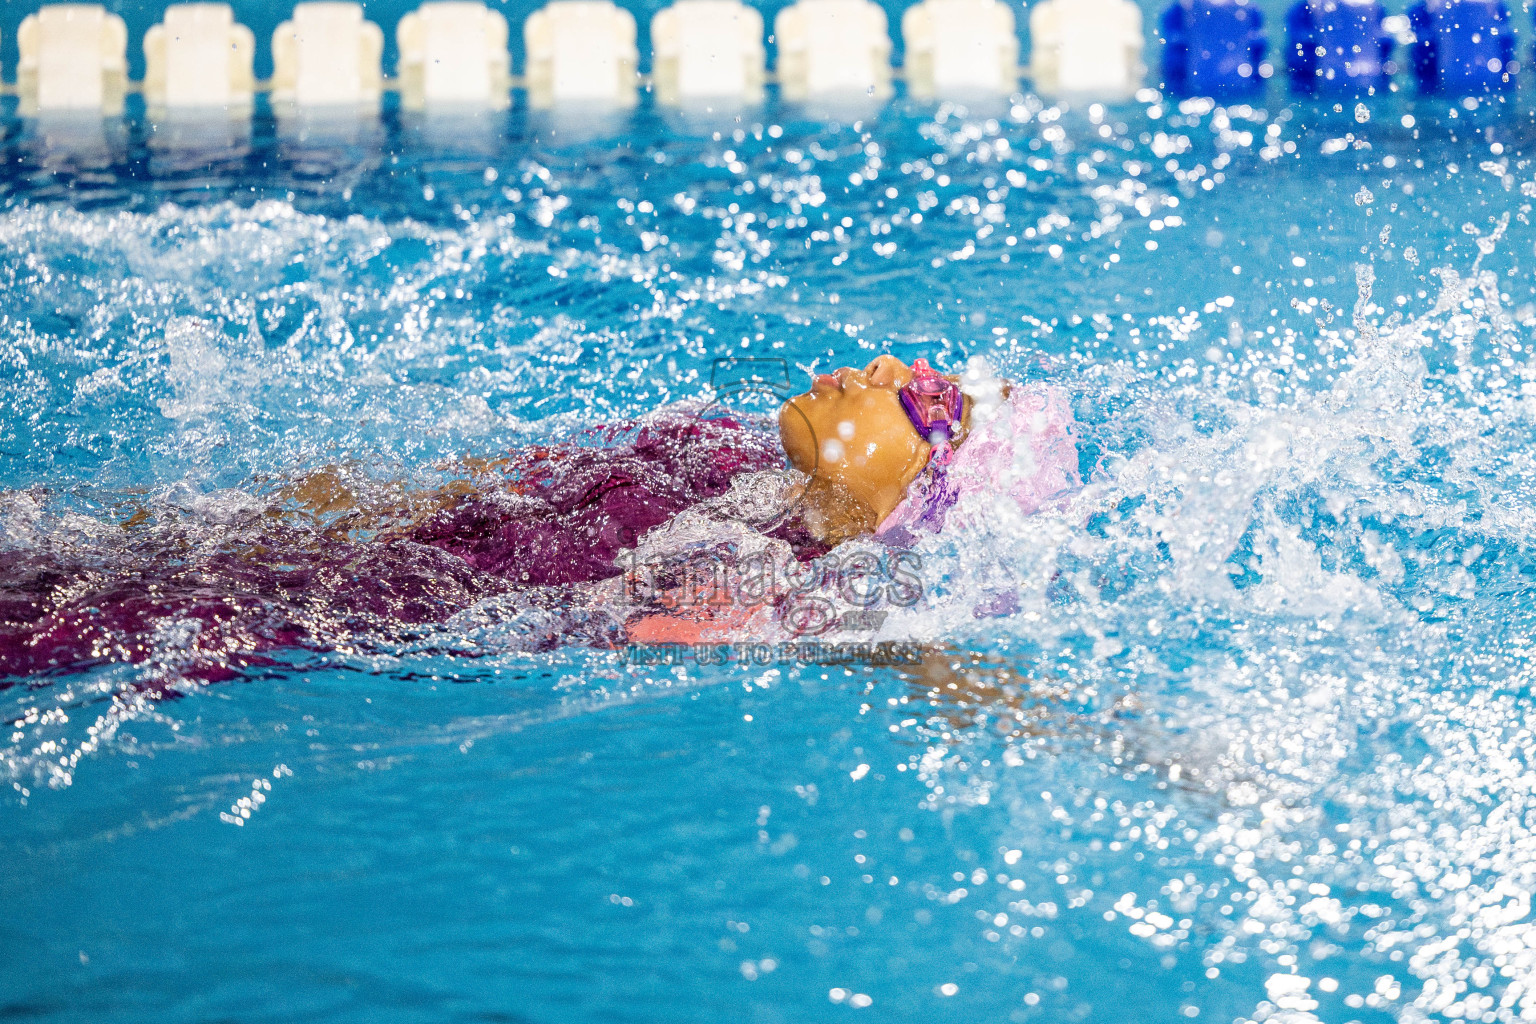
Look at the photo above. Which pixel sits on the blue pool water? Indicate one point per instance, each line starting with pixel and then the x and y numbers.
pixel 1253 746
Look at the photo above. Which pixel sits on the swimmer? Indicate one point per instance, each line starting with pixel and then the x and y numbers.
pixel 889 448
pixel 533 545
pixel 893 451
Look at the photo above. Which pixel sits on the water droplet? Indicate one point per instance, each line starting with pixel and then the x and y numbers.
pixel 1364 197
pixel 1362 113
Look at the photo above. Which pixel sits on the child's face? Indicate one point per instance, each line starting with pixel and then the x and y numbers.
pixel 850 431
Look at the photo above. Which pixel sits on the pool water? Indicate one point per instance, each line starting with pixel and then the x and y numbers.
pixel 1249 741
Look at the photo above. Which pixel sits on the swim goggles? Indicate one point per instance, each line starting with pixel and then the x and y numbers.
pixel 933 403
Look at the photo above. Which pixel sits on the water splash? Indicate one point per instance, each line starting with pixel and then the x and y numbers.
pixel 1306 603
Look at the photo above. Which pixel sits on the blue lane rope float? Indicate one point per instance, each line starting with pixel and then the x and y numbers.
pixel 1214 48
pixel 1463 46
pixel 1338 46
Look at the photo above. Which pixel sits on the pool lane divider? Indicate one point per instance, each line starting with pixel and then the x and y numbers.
pixel 454 53
pixel 704 49
pixel 74 57
pixel 1339 45
pixel 1464 46
pixel 1215 48
pixel 1087 46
